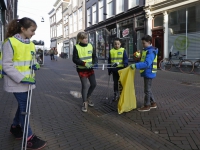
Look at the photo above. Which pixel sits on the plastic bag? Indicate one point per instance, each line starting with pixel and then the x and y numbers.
pixel 127 100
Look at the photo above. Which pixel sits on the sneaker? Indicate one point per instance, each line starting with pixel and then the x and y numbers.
pixel 144 108
pixel 90 103
pixel 85 106
pixel 153 105
pixel 17 131
pixel 35 143
pixel 116 97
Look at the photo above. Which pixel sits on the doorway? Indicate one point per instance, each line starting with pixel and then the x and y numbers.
pixel 158 42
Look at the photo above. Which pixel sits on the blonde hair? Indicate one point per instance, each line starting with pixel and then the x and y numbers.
pixel 80 36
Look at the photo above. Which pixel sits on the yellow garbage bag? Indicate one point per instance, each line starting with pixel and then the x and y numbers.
pixel 127 100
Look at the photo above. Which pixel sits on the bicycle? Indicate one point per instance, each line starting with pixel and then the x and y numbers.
pixel 196 68
pixel 184 65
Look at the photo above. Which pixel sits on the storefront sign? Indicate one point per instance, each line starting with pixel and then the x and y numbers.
pixel 125 32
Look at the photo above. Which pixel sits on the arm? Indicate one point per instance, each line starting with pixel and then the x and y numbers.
pixel 76 59
pixel 109 59
pixel 8 65
pixel 148 61
pixel 125 59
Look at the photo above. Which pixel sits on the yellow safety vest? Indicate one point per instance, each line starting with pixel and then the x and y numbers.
pixel 117 56
pixel 85 54
pixel 22 57
pixel 144 53
pixel 1 63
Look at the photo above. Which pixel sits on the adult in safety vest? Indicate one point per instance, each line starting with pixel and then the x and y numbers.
pixel 148 69
pixel 85 59
pixel 118 60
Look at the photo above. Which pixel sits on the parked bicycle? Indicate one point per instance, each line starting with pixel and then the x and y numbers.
pixel 196 69
pixel 184 65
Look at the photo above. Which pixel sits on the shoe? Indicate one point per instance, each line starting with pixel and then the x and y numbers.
pixel 144 108
pixel 90 103
pixel 153 105
pixel 115 98
pixel 35 143
pixel 85 107
pixel 17 131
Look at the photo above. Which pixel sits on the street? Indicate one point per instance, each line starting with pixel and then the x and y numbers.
pixel 56 115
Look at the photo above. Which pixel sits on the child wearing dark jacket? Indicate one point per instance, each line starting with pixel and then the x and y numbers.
pixel 118 60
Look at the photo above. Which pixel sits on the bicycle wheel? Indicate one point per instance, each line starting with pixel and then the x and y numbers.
pixel 186 66
pixel 197 67
pixel 165 64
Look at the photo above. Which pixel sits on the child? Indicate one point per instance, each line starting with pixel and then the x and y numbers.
pixel 117 57
pixel 84 57
pixel 55 54
pixel 148 68
pixel 17 57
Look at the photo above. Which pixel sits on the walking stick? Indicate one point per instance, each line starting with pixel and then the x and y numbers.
pixel 28 106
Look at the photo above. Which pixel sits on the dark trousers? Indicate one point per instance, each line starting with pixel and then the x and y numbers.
pixel 149 98
pixel 115 80
pixel 19 118
pixel 52 56
pixel 87 92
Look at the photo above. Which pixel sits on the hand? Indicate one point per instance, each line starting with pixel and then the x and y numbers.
pixel 88 66
pixel 132 66
pixel 28 80
pixel 35 67
pixel 115 64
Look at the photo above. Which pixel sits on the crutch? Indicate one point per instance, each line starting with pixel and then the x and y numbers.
pixel 28 106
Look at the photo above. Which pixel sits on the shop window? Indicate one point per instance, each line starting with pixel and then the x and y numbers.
pixel 109 8
pixel 158 21
pixel 139 21
pixel 80 18
pixel 100 43
pixel 92 39
pixel 120 6
pixel 75 21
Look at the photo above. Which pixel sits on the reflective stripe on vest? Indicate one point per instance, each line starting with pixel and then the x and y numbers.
pixel 154 69
pixel 117 56
pixel 85 54
pixel 22 56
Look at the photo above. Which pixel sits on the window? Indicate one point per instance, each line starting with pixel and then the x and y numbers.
pixel 158 21
pixel 59 30
pixel 80 19
pixel 109 8
pixel 120 6
pixel 100 10
pixel 70 24
pixel 59 14
pixel 74 3
pixel 133 3
pixel 66 18
pixel 88 17
pixel 66 31
pixel 94 12
pixel 139 21
pixel 75 21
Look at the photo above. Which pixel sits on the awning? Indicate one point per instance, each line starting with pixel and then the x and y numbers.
pixel 53 44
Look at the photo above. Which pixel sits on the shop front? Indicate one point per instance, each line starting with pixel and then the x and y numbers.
pixel 65 52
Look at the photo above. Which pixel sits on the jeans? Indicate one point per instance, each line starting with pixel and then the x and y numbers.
pixel 55 57
pixel 149 98
pixel 19 118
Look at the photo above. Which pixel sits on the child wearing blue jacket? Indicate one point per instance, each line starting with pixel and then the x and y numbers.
pixel 148 69
pixel 117 58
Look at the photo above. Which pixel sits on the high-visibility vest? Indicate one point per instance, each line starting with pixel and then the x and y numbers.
pixel 117 56
pixel 85 54
pixel 154 69
pixel 22 56
pixel 1 62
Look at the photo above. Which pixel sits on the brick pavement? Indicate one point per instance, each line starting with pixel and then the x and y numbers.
pixel 57 118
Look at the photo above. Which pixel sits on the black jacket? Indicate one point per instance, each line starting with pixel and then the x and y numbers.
pixel 78 61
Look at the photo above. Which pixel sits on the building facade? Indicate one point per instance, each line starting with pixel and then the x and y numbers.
pixel 108 19
pixel 53 31
pixel 174 26
pixel 76 20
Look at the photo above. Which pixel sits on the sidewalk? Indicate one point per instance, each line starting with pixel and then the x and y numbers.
pixel 56 115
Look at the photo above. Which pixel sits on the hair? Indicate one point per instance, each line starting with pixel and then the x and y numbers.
pixel 81 35
pixel 117 39
pixel 15 25
pixel 147 38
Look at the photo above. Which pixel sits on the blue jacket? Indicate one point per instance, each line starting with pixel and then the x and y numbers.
pixel 148 62
pixel 125 61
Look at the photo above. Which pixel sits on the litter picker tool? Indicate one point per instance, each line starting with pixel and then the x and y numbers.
pixel 28 107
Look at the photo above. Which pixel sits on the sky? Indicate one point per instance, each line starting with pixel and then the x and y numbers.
pixel 36 9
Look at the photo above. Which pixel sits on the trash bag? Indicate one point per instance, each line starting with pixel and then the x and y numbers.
pixel 127 100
